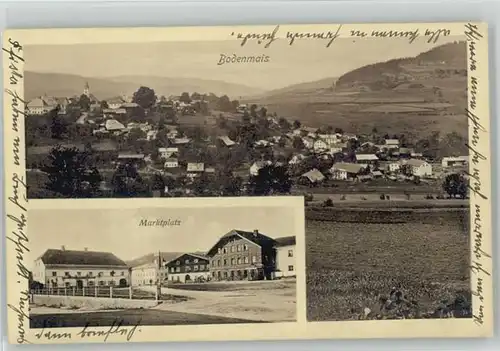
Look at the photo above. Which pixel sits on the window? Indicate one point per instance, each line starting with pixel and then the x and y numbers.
pixel 213 263
pixel 67 284
pixel 245 247
pixel 254 259
pixel 225 250
pixel 178 262
pixel 202 267
pixel 91 283
pixel 195 268
pixel 218 263
pixel 290 253
pixel 99 274
pixel 238 248
pixel 232 261
pixel 195 260
pixel 186 262
pixel 79 274
pixel 290 268
pixel 225 262
pixel 245 259
pixel 91 274
pixel 188 269
pixel 66 274
pixel 101 282
pixel 239 260
pixel 219 250
pixel 233 248
pixel 178 269
pixel 123 273
pixel 111 282
pixel 54 274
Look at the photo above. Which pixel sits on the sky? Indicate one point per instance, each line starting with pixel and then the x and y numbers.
pixel 118 230
pixel 304 61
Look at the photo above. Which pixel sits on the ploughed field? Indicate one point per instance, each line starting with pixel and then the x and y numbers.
pixel 351 265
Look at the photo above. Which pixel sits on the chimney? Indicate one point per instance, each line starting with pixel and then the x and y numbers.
pixel 85 249
pixel 255 232
pixel 63 248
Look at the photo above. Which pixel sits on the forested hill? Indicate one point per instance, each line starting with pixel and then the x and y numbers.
pixel 450 55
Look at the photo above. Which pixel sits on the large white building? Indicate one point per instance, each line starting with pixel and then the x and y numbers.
pixel 285 257
pixel 419 168
pixel 71 268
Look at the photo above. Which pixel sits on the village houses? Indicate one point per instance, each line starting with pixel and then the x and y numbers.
pixel 189 267
pixel 80 269
pixel 346 171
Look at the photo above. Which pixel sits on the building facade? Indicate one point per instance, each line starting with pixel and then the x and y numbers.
pixel 189 268
pixel 285 257
pixel 242 255
pixel 70 268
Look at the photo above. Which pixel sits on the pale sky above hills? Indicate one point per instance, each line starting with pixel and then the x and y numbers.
pixel 303 62
pixel 118 231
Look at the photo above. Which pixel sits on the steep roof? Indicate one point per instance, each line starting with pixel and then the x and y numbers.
pixel 196 255
pixel 255 237
pixel 348 167
pixel 72 257
pixel 149 258
pixel 285 241
pixel 366 157
pixel 314 176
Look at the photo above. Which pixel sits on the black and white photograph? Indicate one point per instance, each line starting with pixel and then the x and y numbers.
pixel 343 171
pixel 163 266
pixel 374 139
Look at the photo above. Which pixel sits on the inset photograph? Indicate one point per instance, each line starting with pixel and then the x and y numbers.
pixel 163 266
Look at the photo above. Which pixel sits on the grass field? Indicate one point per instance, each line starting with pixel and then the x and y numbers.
pixel 127 318
pixel 351 265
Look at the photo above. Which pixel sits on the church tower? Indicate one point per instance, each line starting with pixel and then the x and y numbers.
pixel 86 89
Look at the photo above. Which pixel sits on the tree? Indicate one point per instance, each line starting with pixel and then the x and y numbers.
pixel 253 110
pixel 298 143
pixel 104 104
pixel 127 182
pixel 263 112
pixel 84 102
pixel 185 98
pixel 58 125
pixel 455 184
pixel 70 173
pixel 270 179
pixel 339 131
pixel 224 104
pixel 283 123
pixel 144 97
pixel 296 124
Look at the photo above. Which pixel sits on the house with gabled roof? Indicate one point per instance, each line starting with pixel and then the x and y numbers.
pixel 79 269
pixel 189 268
pixel 345 171
pixel 243 255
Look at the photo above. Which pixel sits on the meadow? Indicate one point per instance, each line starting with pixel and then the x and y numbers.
pixel 352 266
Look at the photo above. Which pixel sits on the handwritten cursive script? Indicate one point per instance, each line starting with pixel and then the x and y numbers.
pixel 16 209
pixel 116 328
pixel 478 163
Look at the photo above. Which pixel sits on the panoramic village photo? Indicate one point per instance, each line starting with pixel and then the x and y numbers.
pixel 371 132
pixel 138 266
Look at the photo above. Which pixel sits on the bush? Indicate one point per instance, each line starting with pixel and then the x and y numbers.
pixel 308 197
pixel 382 196
pixel 328 203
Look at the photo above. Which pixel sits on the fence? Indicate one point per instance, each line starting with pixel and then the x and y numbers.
pixel 102 292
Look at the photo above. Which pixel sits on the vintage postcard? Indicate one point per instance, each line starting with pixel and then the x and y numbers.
pixel 333 180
